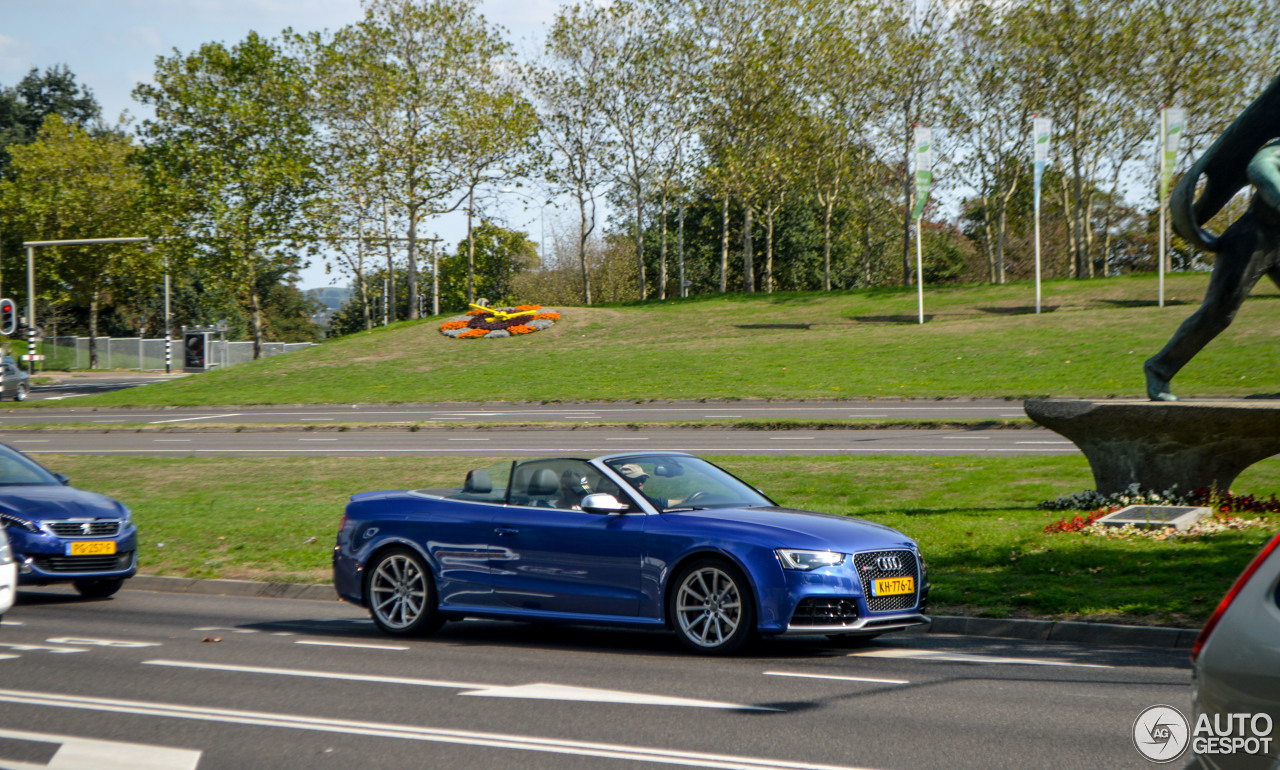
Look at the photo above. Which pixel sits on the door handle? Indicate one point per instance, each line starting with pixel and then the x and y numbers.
pixel 503 531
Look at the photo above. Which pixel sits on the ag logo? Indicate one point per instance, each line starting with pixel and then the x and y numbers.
pixel 1160 733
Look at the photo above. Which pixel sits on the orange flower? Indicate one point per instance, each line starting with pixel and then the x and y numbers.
pixel 528 307
pixel 448 325
pixel 521 329
pixel 472 333
pixel 477 311
pixel 547 317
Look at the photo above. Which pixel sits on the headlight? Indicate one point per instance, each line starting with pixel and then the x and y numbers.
pixel 808 560
pixel 9 521
pixel 127 518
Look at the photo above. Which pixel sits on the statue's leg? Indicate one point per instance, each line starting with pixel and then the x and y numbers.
pixel 1246 255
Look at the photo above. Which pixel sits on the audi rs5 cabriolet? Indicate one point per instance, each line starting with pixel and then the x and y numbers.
pixel 642 539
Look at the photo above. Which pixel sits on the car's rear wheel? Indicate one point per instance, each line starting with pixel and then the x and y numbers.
pixel 711 608
pixel 98 589
pixel 21 393
pixel 402 595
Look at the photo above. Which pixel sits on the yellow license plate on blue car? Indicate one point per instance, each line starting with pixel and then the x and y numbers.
pixel 893 586
pixel 91 548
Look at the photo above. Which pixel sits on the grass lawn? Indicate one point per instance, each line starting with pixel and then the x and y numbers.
pixel 975 519
pixel 978 341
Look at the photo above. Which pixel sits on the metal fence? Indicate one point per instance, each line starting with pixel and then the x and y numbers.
pixel 148 354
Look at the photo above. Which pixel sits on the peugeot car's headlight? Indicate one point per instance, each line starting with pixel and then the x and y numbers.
pixel 127 515
pixel 808 560
pixel 9 521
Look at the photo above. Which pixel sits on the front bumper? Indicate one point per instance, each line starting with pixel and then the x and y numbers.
pixel 44 558
pixel 863 626
pixel 8 585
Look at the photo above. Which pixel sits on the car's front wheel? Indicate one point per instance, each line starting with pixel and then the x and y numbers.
pixel 711 608
pixel 98 589
pixel 21 393
pixel 402 596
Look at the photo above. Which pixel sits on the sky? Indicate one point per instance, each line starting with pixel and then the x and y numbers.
pixel 112 45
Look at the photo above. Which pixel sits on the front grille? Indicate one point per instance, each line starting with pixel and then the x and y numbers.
pixel 820 611
pixel 99 528
pixel 110 563
pixel 868 570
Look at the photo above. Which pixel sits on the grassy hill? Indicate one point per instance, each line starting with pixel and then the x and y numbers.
pixel 1090 340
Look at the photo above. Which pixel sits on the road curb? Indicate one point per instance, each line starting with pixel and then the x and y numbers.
pixel 1109 634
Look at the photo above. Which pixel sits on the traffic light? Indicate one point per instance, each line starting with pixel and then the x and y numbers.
pixel 8 317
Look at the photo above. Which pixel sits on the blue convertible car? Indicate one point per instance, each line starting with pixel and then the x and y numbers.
pixel 649 539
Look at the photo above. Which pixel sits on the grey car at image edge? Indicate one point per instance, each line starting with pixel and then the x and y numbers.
pixel 1236 673
pixel 17 384
pixel 60 534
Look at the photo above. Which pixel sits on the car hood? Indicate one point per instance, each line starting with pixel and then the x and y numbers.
pixel 795 528
pixel 51 502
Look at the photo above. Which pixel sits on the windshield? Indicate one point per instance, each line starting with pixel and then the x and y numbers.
pixel 674 482
pixel 18 470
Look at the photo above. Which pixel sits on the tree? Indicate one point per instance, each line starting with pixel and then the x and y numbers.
pixel 569 87
pixel 498 256
pixel 68 185
pixel 228 163
pixel 24 107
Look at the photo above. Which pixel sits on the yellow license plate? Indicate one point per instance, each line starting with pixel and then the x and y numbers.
pixel 92 548
pixel 893 586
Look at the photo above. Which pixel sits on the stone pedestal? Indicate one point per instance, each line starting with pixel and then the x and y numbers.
pixel 1191 444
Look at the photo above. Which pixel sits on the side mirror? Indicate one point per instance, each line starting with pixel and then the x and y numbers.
pixel 601 502
pixel 62 479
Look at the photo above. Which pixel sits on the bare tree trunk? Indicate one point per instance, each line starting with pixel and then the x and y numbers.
pixel 826 243
pixel 413 264
pixel 724 245
pixel 255 302
pixel 662 251
pixel 748 253
pixel 582 248
pixel 389 312
pixel 364 300
pixel 644 289
pixel 768 254
pixel 907 194
pixel 471 250
pixel 93 330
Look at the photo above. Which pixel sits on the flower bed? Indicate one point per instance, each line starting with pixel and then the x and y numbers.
pixel 505 322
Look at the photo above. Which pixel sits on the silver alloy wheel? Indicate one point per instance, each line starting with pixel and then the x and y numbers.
pixel 398 592
pixel 708 607
pixel 20 394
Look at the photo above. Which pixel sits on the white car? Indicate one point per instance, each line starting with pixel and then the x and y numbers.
pixel 8 574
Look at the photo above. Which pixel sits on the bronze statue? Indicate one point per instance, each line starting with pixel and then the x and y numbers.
pixel 1248 152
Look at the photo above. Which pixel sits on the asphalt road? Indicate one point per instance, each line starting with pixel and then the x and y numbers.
pixel 180 681
pixel 538 442
pixel 917 409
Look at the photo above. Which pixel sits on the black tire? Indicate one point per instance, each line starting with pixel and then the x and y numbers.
pixel 98 589
pixel 401 594
pixel 852 640
pixel 711 607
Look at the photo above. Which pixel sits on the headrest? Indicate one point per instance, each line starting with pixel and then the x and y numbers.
pixel 478 481
pixel 544 482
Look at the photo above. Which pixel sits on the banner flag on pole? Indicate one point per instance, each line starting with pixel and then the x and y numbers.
pixel 1175 124
pixel 924 168
pixel 1041 129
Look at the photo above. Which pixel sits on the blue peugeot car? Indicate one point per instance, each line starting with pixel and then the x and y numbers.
pixel 648 540
pixel 60 534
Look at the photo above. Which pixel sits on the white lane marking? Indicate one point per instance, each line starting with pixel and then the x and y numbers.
pixel 317 439
pixel 10 622
pixel 1049 443
pixel 9 657
pixel 960 658
pixel 30 441
pixel 837 678
pixel 315 419
pixel 968 438
pixel 534 691
pixel 77 753
pixel 412 732
pixel 626 439
pixel 41 648
pixel 189 419
pixel 468 439
pixel 792 438
pixel 546 691
pixel 394 648
pixel 174 440
pixel 84 642
pixel 316 674
pixel 227 628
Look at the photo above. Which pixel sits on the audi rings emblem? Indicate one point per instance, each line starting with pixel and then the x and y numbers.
pixel 888 563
